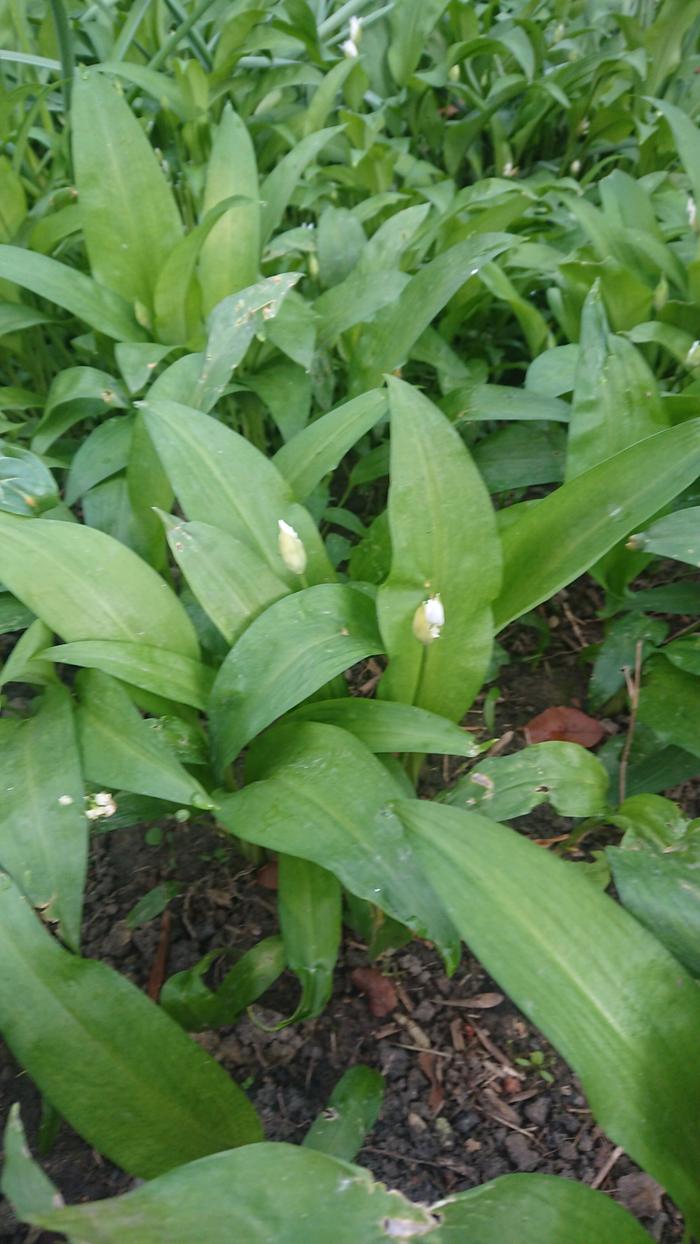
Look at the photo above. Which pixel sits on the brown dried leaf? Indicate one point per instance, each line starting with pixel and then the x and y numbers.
pixel 484 1001
pixel 640 1194
pixel 267 875
pixel 379 990
pixel 569 725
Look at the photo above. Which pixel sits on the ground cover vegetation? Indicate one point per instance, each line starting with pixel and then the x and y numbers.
pixel 337 339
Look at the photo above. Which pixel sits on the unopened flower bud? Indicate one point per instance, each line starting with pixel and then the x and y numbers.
pixel 356 30
pixel 575 168
pixel 291 548
pixel 101 804
pixel 349 49
pixel 692 211
pixel 428 620
pixel 454 73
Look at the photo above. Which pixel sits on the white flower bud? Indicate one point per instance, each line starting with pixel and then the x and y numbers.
pixel 349 49
pixel 428 620
pixel 101 804
pixel 691 209
pixel 454 73
pixel 356 30
pixel 692 358
pixel 575 168
pixel 291 549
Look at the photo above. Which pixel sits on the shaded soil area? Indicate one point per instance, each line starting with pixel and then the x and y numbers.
pixel 473 1090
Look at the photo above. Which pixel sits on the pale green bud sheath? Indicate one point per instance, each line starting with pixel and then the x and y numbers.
pixel 291 548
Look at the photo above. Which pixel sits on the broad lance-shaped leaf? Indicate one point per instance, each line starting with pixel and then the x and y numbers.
pixel 230 255
pixel 352 1111
pixel 386 343
pixel 122 1073
pixel 100 308
pixel 221 479
pixel 675 535
pixel 122 751
pixel 43 830
pixel 563 774
pixel 85 585
pixel 309 905
pixel 195 1006
pixel 317 792
pixel 318 448
pixel 258 1194
pixel 558 538
pixel 613 1001
pixel 177 299
pixel 287 653
pixel 130 220
pixel 386 727
pixel 616 400
pixel 444 543
pixel 142 665
pixel 231 582
pixel 262 1193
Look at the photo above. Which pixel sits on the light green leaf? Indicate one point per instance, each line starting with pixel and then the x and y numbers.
pixel 558 538
pixel 685 134
pixel 102 453
pixel 130 221
pixel 279 185
pixel 317 792
pixel 317 449
pixel 386 727
pixel 259 1193
pixel 223 480
pixel 563 774
pixel 386 344
pixel 14 318
pixel 675 535
pixel 43 831
pixel 444 543
pixel 152 668
pixel 100 308
pixel 122 751
pixel 288 652
pixel 137 361
pixel 113 1064
pixel 230 255
pixel 616 401
pixel 309 905
pixel 76 393
pixel 85 585
pixel 27 487
pixel 669 704
pixel 177 299
pixel 412 23
pixel 584 971
pixel 352 1111
pixel 189 1001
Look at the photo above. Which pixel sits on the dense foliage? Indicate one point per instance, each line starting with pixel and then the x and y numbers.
pixel 336 332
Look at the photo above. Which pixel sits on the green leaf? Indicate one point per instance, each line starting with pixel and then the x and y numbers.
pixel 590 514
pixel 675 535
pixel 584 971
pixel 130 221
pixel 309 906
pixel 477 402
pixel 231 582
pixel 138 360
pixel 43 831
pixel 100 308
pixel 75 394
pixel 14 318
pixel 143 665
pixel 386 344
pixel 102 453
pixel 223 480
pixel 670 704
pixel 14 616
pixel 535 1209
pixel 318 793
pixel 317 449
pixel 412 23
pixel 113 1064
pixel 122 751
pixel 230 255
pixel 444 542
pixel 352 1111
pixel 23 1180
pixel 153 903
pixel 259 1193
pixel 619 649
pixel 25 662
pixel 84 585
pixel 518 457
pixel 189 1001
pixel 27 487
pixel 177 298
pixel 288 652
pixel 563 774
pixel 616 401
pixel 386 727
pixel 280 184
pixel 685 135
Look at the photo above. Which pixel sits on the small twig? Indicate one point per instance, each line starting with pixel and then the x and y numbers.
pixel 573 622
pixel 607 1167
pixel 160 962
pixel 632 682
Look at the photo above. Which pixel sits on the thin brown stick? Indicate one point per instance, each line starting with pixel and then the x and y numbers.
pixel 607 1167
pixel 160 962
pixel 632 682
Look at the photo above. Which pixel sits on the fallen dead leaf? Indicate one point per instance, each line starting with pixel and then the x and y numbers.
pixel 568 725
pixel 479 1001
pixel 379 991
pixel 432 1072
pixel 267 875
pixel 640 1194
pixel 472 1146
pixel 457 1034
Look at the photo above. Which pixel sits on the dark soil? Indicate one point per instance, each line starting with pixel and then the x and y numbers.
pixel 464 1101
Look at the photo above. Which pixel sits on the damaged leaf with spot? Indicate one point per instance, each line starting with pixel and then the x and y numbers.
pixel 563 774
